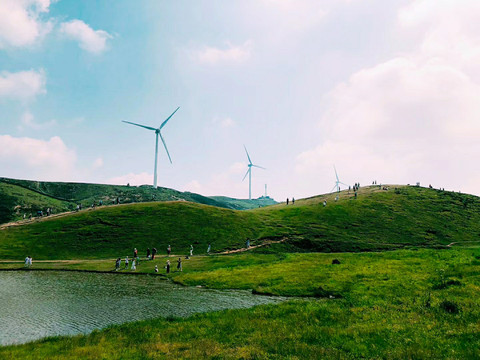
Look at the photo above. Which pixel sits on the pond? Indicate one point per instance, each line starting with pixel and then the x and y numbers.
pixel 37 304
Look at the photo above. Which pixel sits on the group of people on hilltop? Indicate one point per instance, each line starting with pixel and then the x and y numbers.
pixel 293 201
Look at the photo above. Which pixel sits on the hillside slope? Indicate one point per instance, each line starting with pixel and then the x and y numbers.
pixel 376 220
pixel 18 197
pixel 245 204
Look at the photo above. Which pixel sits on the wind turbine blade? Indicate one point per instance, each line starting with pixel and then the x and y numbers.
pixel 143 126
pixel 335 172
pixel 246 174
pixel 344 184
pixel 259 167
pixel 163 141
pixel 163 124
pixel 334 188
pixel 247 154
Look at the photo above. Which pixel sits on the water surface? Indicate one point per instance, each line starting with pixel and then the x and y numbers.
pixel 37 304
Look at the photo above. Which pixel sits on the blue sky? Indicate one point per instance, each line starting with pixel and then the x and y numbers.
pixel 386 91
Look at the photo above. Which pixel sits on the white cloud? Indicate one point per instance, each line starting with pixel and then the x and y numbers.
pixel 411 118
pixel 230 54
pixel 28 121
pixel 224 123
pixel 143 178
pixel 23 85
pixel 225 183
pixel 98 163
pixel 36 159
pixel 20 22
pixel 93 41
pixel 448 29
pixel 237 168
pixel 194 186
pixel 296 14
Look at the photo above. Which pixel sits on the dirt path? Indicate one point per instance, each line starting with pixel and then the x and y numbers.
pixel 52 216
pixel 463 242
pixel 34 219
pixel 268 242
pixel 57 261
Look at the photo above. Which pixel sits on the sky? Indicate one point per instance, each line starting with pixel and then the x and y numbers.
pixel 382 90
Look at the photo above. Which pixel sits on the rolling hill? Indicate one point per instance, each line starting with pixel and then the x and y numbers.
pixel 403 216
pixel 19 197
pixel 245 204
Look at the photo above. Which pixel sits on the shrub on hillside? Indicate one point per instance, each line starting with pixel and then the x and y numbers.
pixel 450 307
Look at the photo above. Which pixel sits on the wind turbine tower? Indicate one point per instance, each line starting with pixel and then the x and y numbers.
pixel 249 173
pixel 337 182
pixel 157 135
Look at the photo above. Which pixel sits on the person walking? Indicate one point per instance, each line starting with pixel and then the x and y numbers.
pixel 169 250
pixel 27 261
pixel 287 201
pixel 148 253
pixel 293 201
pixel 156 268
pixel 168 267
pixel 134 267
pixel 209 248
pixel 154 251
pixel 117 264
pixel 126 262
pixel 191 250
pixel 179 264
pixel 135 253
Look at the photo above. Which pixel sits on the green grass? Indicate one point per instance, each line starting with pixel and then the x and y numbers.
pixel 376 220
pixel 16 201
pixel 245 204
pixel 418 301
pixel 388 305
pixel 18 197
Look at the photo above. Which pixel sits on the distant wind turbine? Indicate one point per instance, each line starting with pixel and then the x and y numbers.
pixel 157 134
pixel 249 173
pixel 337 182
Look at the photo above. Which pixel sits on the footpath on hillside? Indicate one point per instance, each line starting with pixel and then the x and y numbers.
pixel 268 242
pixel 52 216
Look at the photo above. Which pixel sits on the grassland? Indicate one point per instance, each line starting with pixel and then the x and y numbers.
pixel 375 220
pixel 245 204
pixel 396 305
pixel 418 300
pixel 19 197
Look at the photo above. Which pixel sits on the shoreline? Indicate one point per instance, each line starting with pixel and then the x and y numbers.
pixel 163 277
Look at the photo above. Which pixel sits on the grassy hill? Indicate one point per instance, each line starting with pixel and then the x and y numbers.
pixel 376 220
pixel 245 204
pixel 18 197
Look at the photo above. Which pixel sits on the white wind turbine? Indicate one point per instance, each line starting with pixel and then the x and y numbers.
pixel 157 134
pixel 249 173
pixel 338 181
